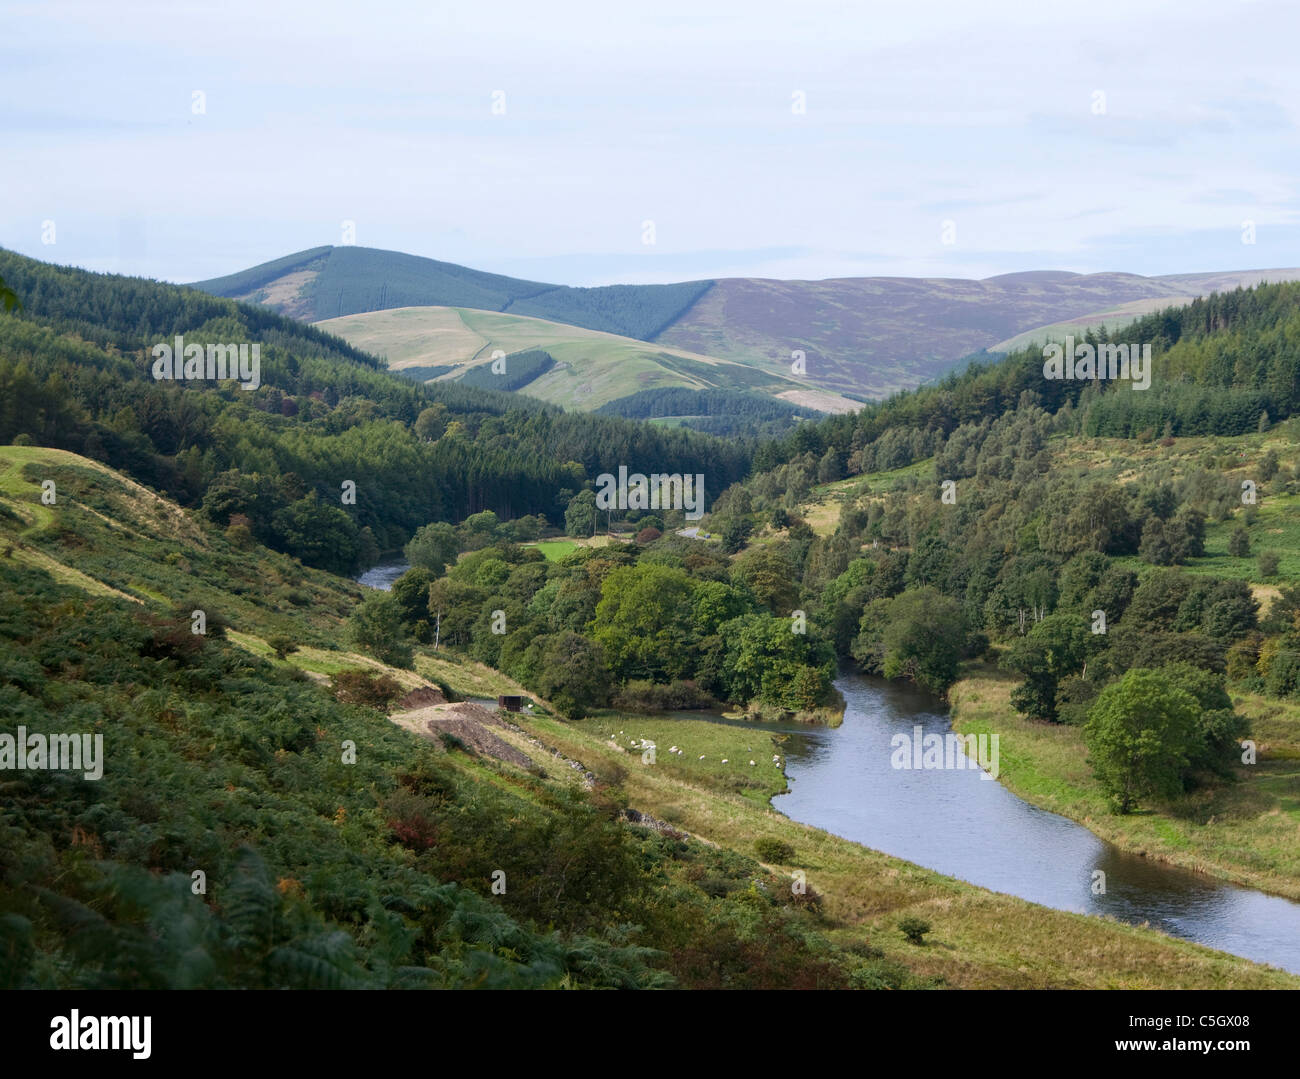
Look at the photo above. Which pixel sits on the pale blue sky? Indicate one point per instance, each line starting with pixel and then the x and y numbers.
pixel 677 113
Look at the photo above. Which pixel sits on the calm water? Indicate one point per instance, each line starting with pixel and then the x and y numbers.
pixel 383 575
pixel 964 826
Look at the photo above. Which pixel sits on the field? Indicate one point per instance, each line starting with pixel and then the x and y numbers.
pixel 554 550
pixel 718 754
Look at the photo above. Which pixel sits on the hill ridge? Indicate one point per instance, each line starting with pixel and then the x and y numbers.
pixel 865 336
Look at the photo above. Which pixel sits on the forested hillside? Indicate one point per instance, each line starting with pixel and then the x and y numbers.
pixel 260 822
pixel 76 374
pixel 1220 363
pixel 728 413
pixel 377 869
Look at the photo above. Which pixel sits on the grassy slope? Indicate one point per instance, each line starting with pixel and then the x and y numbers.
pixel 113 531
pixel 109 534
pixel 592 368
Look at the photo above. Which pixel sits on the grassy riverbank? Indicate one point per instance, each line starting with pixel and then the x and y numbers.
pixel 1247 831
pixel 980 939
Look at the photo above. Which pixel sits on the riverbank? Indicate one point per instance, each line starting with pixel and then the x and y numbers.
pixel 979 938
pixel 1246 833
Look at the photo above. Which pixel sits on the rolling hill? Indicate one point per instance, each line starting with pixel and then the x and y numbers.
pixel 878 335
pixel 591 368
pixel 868 336
pixel 329 282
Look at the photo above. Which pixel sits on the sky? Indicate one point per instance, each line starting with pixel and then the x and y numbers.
pixel 590 143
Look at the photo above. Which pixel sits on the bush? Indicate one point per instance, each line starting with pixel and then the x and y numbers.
pixel 366 688
pixel 643 696
pixel 914 929
pixel 1269 561
pixel 409 819
pixel 376 626
pixel 282 645
pixel 774 850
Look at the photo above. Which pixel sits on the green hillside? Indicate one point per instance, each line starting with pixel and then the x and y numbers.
pixel 231 841
pixel 75 369
pixel 591 368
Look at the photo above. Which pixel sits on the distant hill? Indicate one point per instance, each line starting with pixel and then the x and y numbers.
pixel 328 282
pixel 876 335
pixel 590 368
pixel 1187 287
pixel 867 336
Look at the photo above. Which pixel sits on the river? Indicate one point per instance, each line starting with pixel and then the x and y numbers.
pixel 955 822
pixel 383 575
pixel 966 826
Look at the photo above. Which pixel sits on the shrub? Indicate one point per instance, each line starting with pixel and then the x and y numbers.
pixel 774 850
pixel 1269 562
pixel 881 974
pixel 282 645
pixel 430 780
pixel 408 817
pixel 914 929
pixel 643 696
pixel 239 532
pixel 365 688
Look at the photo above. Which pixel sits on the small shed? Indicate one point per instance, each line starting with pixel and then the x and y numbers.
pixel 510 704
